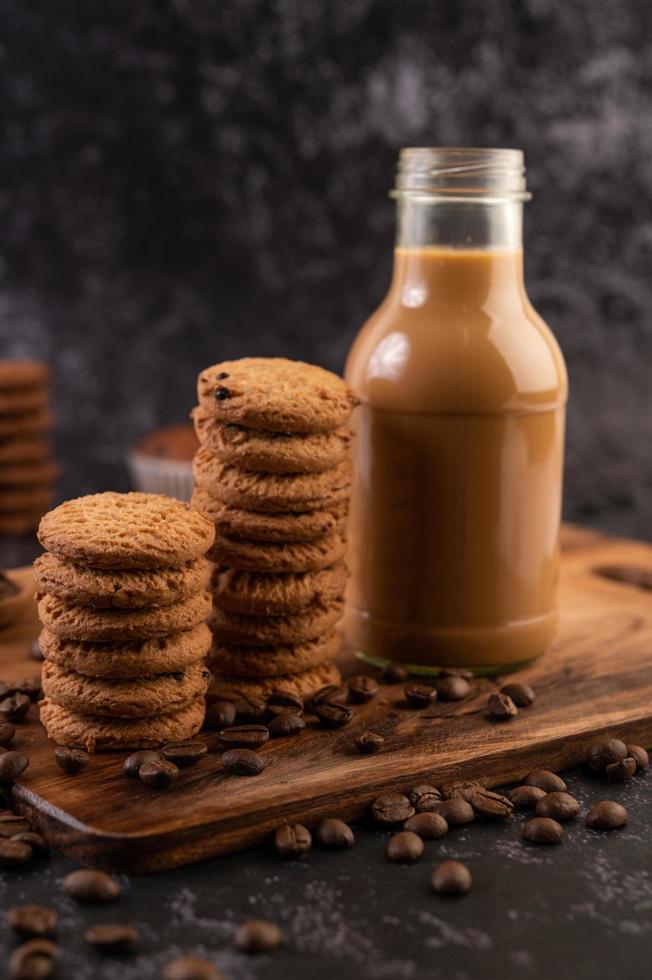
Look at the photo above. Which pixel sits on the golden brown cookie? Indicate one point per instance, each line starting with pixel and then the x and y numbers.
pixel 260 631
pixel 120 697
pixel 126 530
pixel 275 394
pixel 22 374
pixel 271 492
pixel 75 622
pixel 28 475
pixel 264 556
pixel 24 449
pixel 302 526
pixel 23 400
pixel 96 734
pixel 268 661
pixel 264 594
pixel 304 684
pixel 134 658
pixel 27 423
pixel 120 588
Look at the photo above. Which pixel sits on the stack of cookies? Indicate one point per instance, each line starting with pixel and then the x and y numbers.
pixel 27 472
pixel 273 473
pixel 123 602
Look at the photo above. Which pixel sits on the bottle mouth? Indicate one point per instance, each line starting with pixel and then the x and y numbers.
pixel 479 174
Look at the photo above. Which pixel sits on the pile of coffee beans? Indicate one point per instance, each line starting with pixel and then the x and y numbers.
pixel 19 842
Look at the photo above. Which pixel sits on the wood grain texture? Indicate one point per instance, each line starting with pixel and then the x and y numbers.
pixel 595 681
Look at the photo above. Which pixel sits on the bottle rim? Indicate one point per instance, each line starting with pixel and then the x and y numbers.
pixel 479 174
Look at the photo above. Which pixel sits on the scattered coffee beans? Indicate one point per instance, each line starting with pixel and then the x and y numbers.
pixel 131 765
pixel 362 689
pixel 219 715
pixel 330 693
pixel 288 723
pixel 391 809
pixel 521 694
pixel 490 805
pixel 34 960
pixel 12 766
pixel 112 937
pixel 185 754
pixel 30 921
pixel 158 773
pixel 404 847
pixel 394 674
pixel 244 736
pixel 526 797
pixel 70 760
pixel 14 853
pixel 91 886
pixel 37 842
pixel 606 815
pixel 420 695
pixel 618 772
pixel 451 878
pixel 285 699
pixel 424 797
pixel 15 708
pixel 293 839
pixel 332 714
pixel 543 830
pixel 249 709
pixel 636 752
pixel 453 688
pixel 191 968
pixel 456 812
pixel 559 806
pixel 7 733
pixel 242 762
pixel 369 742
pixel 258 936
pixel 428 826
pixel 501 707
pixel 548 781
pixel 334 834
pixel 603 754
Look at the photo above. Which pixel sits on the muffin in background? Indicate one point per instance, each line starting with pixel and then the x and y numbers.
pixel 161 462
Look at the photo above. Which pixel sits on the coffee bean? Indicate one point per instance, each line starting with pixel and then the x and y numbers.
pixel 91 886
pixel 112 937
pixel 606 815
pixel 244 736
pixel 394 674
pixel 424 797
pixel 521 694
pixel 456 812
pixel 420 695
pixel 258 936
pixel 460 790
pixel 7 733
pixel 191 968
pixel 457 672
pixel 526 797
pixel 35 652
pixel 12 766
pixel 158 773
pixel 13 853
pixel 391 809
pixel 219 715
pixel 618 772
pixel 559 806
pixel 243 762
pixel 285 699
pixel 362 689
pixel 32 920
pixel 70 760
pixel 30 687
pixel 603 754
pixel 249 709
pixel 293 839
pixel 15 707
pixel 131 765
pixel 330 693
pixel 429 826
pixel 546 780
pixel 451 878
pixel 369 742
pixel 184 754
pixel 12 824
pixel 636 752
pixel 34 960
pixel 334 834
pixel 332 714
pixel 37 842
pixel 286 724
pixel 453 688
pixel 404 847
pixel 543 830
pixel 490 805
pixel 501 707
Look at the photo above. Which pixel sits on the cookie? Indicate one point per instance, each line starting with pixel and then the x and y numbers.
pixel 120 697
pixel 275 394
pixel 95 733
pixel 28 475
pixel 120 589
pixel 304 684
pixel 75 622
pixel 20 521
pixel 27 423
pixel 271 492
pixel 135 658
pixel 271 452
pixel 19 400
pixel 23 498
pixel 269 661
pixel 265 556
pixel 22 374
pixel 264 630
pixel 126 530
pixel 24 449
pixel 301 526
pixel 262 594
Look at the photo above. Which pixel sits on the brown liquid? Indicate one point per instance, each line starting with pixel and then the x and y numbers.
pixel 456 501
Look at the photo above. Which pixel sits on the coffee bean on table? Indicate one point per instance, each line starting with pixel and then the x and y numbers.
pixel 332 714
pixel 546 780
pixel 334 834
pixel 424 797
pixel 293 839
pixel 369 742
pixel 158 773
pixel 112 937
pixel 607 815
pixel 7 733
pixel 391 809
pixel 394 674
pixel 456 812
pixel 249 709
pixel 32 920
pixel 15 707
pixel 636 752
pixel 501 707
pixel 451 878
pixel 219 715
pixel 526 797
pixel 131 765
pixel 603 754
pixel 242 762
pixel 490 805
pixel 30 687
pixel 428 826
pixel 12 766
pixel 14 853
pixel 330 693
pixel 184 754
pixel 559 806
pixel 191 968
pixel 91 886
pixel 285 699
pixel 70 760
pixel 521 694
pixel 13 823
pixel 420 695
pixel 453 688
pixel 543 830
pixel 362 689
pixel 258 936
pixel 244 736
pixel 34 960
pixel 457 672
pixel 618 772
pixel 288 723
pixel 404 846
pixel 37 842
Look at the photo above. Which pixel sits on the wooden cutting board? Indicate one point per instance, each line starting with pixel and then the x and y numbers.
pixel 595 681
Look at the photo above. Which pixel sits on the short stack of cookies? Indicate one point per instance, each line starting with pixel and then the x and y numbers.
pixel 273 472
pixel 124 605
pixel 27 472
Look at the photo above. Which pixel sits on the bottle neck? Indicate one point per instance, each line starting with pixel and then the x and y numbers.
pixel 424 222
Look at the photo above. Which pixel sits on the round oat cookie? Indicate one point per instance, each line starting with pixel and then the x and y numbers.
pixel 265 556
pixel 22 374
pixel 299 526
pixel 263 594
pixel 23 400
pixel 28 475
pixel 24 449
pixel 98 734
pixel 271 492
pixel 275 394
pixel 304 684
pixel 120 697
pixel 75 622
pixel 126 530
pixel 262 630
pixel 271 452
pixel 134 658
pixel 268 661
pixel 120 589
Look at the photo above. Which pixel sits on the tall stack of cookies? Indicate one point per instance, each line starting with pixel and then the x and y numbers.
pixel 27 472
pixel 273 473
pixel 123 602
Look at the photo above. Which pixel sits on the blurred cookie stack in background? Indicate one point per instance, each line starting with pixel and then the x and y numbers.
pixel 273 473
pixel 27 472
